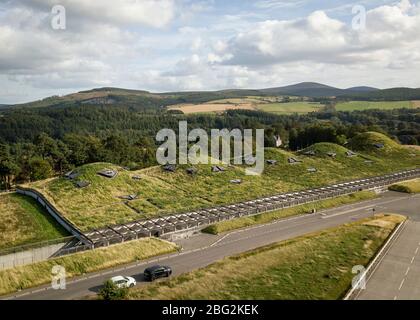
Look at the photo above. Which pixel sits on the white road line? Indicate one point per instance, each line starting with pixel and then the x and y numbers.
pixel 402 283
pixel 408 270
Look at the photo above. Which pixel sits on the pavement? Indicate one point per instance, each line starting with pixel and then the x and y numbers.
pixel 398 275
pixel 202 249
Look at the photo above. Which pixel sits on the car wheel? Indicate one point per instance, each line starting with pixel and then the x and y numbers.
pixel 167 274
pixel 131 285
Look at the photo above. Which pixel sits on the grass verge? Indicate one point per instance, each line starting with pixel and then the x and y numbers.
pixel 23 221
pixel 313 267
pixel 412 186
pixel 267 217
pixel 39 273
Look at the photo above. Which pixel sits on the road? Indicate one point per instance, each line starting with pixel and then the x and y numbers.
pixel 398 275
pixel 202 250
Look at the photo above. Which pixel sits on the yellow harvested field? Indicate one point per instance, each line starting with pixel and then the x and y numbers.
pixel 210 107
pixel 415 104
pixel 412 147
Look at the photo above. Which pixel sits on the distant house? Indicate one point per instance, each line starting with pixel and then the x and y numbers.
pixel 278 141
pixel 332 154
pixel 236 181
pixel 379 145
pixel 272 162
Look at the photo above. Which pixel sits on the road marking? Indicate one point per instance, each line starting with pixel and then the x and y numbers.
pixel 402 283
pixel 365 207
pixel 408 270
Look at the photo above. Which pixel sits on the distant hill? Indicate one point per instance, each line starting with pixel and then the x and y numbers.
pixel 146 99
pixel 315 90
pixel 394 94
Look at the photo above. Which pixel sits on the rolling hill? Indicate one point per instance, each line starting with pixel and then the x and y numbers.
pixel 129 97
pixel 315 90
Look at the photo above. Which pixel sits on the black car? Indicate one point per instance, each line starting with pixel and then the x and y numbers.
pixel 156 272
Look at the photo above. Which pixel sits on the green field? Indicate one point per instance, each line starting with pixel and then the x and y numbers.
pixel 268 217
pixel 290 107
pixel 313 267
pixel 39 273
pixel 365 105
pixel 161 192
pixel 23 221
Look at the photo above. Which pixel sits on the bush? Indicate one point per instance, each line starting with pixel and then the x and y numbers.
pixel 110 291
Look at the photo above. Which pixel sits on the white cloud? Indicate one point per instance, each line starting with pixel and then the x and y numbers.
pixel 154 13
pixel 201 45
pixel 391 31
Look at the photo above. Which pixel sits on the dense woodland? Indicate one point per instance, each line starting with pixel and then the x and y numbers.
pixel 37 143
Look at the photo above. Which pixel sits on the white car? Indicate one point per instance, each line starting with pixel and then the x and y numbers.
pixel 124 282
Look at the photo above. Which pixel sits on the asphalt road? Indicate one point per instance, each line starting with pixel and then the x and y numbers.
pixel 398 275
pixel 202 250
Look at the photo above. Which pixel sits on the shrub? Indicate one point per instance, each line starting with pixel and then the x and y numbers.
pixel 110 291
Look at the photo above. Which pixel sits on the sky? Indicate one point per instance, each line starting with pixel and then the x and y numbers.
pixel 181 45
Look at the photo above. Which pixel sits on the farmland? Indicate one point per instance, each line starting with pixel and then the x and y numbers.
pixel 365 105
pixel 316 266
pixel 211 107
pixel 290 107
pixel 160 192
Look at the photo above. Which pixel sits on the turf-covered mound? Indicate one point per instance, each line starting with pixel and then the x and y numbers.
pixel 325 149
pixel 374 142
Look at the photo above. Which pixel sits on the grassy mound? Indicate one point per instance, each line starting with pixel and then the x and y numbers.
pixel 366 142
pixel 323 148
pixel 160 192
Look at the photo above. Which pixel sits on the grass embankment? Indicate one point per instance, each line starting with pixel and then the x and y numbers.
pixel 412 186
pixel 313 267
pixel 23 221
pixel 77 264
pixel 161 192
pixel 267 217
